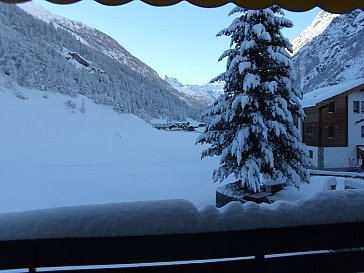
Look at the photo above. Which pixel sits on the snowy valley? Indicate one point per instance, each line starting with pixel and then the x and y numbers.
pixel 54 154
pixel 74 128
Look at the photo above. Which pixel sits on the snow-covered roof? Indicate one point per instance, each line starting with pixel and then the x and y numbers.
pixel 272 182
pixel 319 95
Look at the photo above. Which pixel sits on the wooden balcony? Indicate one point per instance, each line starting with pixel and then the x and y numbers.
pixel 316 248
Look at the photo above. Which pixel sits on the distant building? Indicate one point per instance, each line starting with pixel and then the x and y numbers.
pixel 175 126
pixel 333 128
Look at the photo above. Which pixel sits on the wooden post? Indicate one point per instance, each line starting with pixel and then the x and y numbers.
pixel 259 260
pixel 33 259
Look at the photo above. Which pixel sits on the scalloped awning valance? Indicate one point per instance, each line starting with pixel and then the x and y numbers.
pixel 334 6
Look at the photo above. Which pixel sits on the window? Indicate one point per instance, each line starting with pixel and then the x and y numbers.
pixel 310 153
pixel 331 131
pixel 309 129
pixel 362 107
pixel 362 131
pixel 331 107
pixel 356 107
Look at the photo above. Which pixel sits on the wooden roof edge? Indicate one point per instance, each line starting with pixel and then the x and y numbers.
pixel 297 6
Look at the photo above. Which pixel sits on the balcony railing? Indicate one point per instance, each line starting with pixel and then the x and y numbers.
pixel 316 248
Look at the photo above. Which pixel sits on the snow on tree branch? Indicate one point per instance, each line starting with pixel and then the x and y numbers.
pixel 251 126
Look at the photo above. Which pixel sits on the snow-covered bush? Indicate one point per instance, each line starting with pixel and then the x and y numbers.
pixel 20 95
pixel 70 104
pixel 330 183
pixel 251 126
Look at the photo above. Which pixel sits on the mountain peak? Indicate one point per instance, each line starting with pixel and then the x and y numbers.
pixel 38 11
pixel 318 25
pixel 173 82
pixel 334 56
pixel 203 95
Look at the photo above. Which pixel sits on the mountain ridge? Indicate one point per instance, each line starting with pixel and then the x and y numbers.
pixel 48 57
pixel 90 36
pixel 334 56
pixel 314 29
pixel 206 94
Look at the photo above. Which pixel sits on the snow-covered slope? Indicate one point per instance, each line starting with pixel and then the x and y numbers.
pixel 206 94
pixel 54 155
pixel 318 25
pixel 90 37
pixel 47 52
pixel 107 45
pixel 334 56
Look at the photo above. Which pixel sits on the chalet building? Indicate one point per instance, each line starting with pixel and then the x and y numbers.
pixel 333 129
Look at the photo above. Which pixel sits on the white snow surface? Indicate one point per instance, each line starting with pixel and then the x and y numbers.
pixel 354 183
pixel 179 216
pixel 316 96
pixel 52 155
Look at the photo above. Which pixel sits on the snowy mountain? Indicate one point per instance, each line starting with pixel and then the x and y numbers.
pixel 50 53
pixel 205 94
pixel 90 37
pixel 330 50
pixel 318 25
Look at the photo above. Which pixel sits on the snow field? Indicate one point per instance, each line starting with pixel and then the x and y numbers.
pixel 53 156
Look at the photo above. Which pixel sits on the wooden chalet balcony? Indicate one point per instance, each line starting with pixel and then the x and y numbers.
pixel 323 248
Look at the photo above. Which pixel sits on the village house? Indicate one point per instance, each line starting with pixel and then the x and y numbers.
pixel 333 128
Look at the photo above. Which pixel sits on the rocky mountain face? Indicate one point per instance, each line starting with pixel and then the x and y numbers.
pixel 317 26
pixel 50 53
pixel 330 51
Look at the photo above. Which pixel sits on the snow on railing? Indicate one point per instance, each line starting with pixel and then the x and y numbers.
pixel 180 216
pixel 319 234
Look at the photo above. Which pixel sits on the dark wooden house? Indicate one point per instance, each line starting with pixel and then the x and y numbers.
pixel 333 128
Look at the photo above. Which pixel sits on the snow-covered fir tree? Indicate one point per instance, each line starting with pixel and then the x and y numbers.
pixel 251 125
pixel 83 107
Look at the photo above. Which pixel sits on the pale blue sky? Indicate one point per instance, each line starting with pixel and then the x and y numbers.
pixel 179 41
